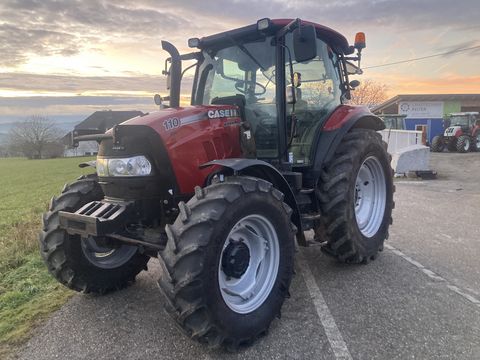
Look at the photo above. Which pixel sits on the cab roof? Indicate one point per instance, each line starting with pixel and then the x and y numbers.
pixel 250 33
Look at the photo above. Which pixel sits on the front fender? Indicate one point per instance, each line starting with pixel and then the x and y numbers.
pixel 263 170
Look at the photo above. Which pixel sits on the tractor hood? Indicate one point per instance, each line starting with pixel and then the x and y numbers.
pixel 182 139
pixel 453 131
pixel 171 120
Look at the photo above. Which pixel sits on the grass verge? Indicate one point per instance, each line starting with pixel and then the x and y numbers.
pixel 28 293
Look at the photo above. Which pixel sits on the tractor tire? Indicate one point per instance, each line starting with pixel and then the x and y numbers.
pixel 437 144
pixel 355 192
pixel 476 142
pixel 228 262
pixel 463 143
pixel 81 264
pixel 452 145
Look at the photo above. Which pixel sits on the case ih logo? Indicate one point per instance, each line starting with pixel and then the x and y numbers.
pixel 215 114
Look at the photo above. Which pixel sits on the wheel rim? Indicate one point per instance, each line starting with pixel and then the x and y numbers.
pixel 106 257
pixel 249 264
pixel 478 141
pixel 466 146
pixel 370 196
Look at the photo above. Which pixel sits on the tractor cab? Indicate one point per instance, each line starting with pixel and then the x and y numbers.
pixel 465 120
pixel 285 76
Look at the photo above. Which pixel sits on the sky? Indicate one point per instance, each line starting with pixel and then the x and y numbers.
pixel 66 59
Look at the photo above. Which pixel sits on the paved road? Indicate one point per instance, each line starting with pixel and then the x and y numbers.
pixel 419 299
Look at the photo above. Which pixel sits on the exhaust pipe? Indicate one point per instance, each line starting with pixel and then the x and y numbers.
pixel 175 73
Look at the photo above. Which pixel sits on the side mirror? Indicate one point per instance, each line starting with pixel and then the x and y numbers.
pixel 354 83
pixel 157 99
pixel 297 79
pixel 305 43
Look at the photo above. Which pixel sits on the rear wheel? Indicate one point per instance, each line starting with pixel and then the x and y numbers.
pixel 437 144
pixel 356 196
pixel 91 264
pixel 463 144
pixel 228 262
pixel 476 143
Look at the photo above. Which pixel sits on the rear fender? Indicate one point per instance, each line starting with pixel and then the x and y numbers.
pixel 337 126
pixel 263 170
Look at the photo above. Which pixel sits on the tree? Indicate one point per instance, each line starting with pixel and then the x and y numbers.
pixel 369 93
pixel 34 137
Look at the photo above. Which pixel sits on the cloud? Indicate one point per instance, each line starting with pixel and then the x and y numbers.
pixel 49 27
pixel 79 84
pixel 13 108
pixel 447 84
pixel 16 43
pixel 46 27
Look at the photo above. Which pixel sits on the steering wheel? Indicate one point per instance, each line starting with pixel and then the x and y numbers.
pixel 241 83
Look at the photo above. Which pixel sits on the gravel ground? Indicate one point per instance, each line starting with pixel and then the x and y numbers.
pixel 419 299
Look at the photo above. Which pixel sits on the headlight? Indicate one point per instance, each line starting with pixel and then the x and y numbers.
pixel 133 166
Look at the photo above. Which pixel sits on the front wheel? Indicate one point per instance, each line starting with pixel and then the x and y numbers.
pixel 356 197
pixel 463 144
pixel 437 144
pixel 228 262
pixel 85 264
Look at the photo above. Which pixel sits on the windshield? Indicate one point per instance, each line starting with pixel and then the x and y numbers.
pixel 459 120
pixel 247 69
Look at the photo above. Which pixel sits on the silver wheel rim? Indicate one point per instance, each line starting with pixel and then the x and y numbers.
pixel 370 196
pixel 106 257
pixel 250 290
pixel 467 145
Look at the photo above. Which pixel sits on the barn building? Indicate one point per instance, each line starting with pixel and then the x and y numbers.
pixel 99 121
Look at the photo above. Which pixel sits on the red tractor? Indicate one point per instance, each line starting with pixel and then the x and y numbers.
pixel 219 190
pixel 462 134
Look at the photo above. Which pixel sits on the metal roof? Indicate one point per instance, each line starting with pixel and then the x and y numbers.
pixel 427 97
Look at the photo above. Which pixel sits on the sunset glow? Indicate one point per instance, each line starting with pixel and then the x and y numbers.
pixel 96 53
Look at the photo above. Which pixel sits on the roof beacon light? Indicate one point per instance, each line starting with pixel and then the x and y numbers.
pixel 360 41
pixel 193 42
pixel 263 24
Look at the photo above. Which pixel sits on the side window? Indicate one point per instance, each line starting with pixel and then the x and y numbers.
pixel 319 80
pixel 317 94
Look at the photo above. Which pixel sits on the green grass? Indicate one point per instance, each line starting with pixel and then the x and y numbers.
pixel 27 292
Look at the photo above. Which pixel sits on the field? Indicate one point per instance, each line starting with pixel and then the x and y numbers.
pixel 27 292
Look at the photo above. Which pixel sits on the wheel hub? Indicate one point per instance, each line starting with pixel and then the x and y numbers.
pixel 104 255
pixel 235 260
pixel 249 263
pixel 369 198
